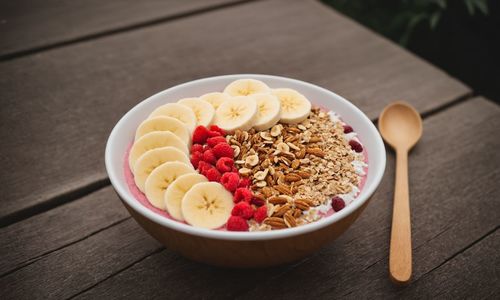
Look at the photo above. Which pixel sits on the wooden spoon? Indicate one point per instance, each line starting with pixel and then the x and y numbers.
pixel 401 127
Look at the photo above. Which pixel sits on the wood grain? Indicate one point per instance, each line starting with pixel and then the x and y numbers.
pixel 28 24
pixel 66 101
pixel 24 242
pixel 63 273
pixel 475 274
pixel 445 221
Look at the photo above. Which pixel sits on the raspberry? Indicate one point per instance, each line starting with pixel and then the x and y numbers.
pixel 196 148
pixel 225 164
pixel 206 148
pixel 200 135
pixel 209 157
pixel 212 174
pixel 235 223
pixel 348 129
pixel 244 182
pixel 242 209
pixel 260 214
pixel 234 170
pixel 223 150
pixel 242 194
pixel 356 146
pixel 215 140
pixel 196 158
pixel 203 166
pixel 337 203
pixel 212 133
pixel 218 129
pixel 230 181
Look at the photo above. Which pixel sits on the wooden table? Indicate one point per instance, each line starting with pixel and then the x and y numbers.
pixel 70 70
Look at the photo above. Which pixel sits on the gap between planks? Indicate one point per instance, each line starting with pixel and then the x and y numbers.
pixel 102 183
pixel 123 29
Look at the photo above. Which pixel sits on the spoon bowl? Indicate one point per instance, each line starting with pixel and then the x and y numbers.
pixel 400 125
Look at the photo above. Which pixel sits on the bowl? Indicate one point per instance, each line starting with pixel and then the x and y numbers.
pixel 244 249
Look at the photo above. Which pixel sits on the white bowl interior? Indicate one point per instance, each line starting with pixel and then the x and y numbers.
pixel 124 131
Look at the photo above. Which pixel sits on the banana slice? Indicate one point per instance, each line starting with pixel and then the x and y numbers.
pixel 215 99
pixel 147 162
pixel 176 111
pixel 207 205
pixel 236 113
pixel 245 87
pixel 164 124
pixel 203 111
pixel 176 191
pixel 153 140
pixel 268 111
pixel 295 108
pixel 160 179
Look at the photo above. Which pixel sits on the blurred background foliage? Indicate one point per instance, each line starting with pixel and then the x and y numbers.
pixel 460 36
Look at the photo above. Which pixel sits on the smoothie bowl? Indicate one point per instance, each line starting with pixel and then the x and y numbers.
pixel 245 170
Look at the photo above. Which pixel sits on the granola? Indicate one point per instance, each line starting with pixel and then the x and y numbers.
pixel 297 167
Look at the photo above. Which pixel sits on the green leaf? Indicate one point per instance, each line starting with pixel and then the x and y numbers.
pixel 434 19
pixel 482 5
pixel 441 3
pixel 470 6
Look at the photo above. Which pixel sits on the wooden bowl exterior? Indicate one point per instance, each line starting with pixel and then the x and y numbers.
pixel 245 254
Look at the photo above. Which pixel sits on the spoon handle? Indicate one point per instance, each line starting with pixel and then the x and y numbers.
pixel 400 261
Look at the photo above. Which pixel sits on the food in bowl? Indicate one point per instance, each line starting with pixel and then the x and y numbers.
pixel 249 158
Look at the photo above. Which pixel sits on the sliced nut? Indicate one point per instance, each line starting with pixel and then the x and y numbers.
pixel 293 130
pixel 282 189
pixel 261 184
pixel 239 162
pixel 315 139
pixel 293 146
pixel 244 136
pixel 271 170
pixel 282 147
pixel 304 174
pixel 268 192
pixel 277 200
pixel 270 180
pixel 282 210
pixel 289 219
pixel 266 163
pixel 266 136
pixel 275 223
pixel 292 177
pixel 301 153
pixel 316 152
pixel 308 201
pixel 261 175
pixel 252 160
pixel 245 171
pixel 236 150
pixel 295 164
pixel 301 127
pixel 276 130
pixel 297 213
pixel 301 204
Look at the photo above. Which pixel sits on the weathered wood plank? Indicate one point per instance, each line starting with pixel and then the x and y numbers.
pixel 65 101
pixel 63 273
pixel 28 24
pixel 26 241
pixel 476 274
pixel 356 263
